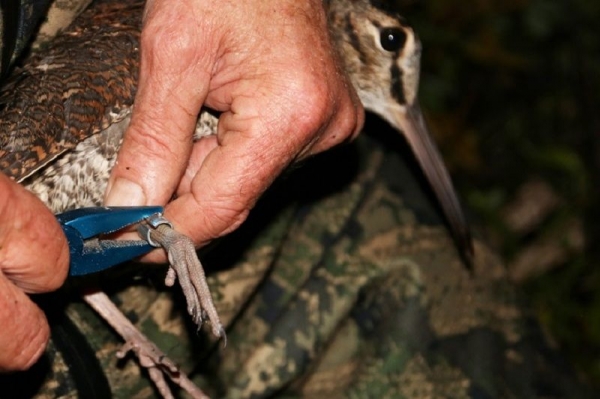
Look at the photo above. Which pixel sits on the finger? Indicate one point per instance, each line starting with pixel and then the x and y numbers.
pixel 219 197
pixel 344 122
pixel 172 87
pixel 252 152
pixel 200 151
pixel 25 331
pixel 33 249
pixel 346 126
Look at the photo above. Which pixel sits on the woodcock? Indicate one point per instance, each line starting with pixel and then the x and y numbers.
pixel 64 113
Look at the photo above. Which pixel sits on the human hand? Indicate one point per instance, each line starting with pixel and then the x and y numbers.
pixel 269 67
pixel 34 258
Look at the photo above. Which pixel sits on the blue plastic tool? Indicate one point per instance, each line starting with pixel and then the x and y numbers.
pixel 84 227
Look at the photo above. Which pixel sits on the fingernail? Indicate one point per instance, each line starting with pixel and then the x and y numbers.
pixel 124 192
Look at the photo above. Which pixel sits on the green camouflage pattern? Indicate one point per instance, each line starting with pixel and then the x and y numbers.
pixel 343 283
pixel 346 287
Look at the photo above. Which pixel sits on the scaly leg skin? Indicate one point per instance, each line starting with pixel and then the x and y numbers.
pixel 150 357
pixel 186 266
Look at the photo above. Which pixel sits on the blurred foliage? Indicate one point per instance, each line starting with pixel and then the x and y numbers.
pixel 511 91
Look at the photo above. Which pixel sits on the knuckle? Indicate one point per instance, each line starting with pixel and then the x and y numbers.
pixel 315 105
pixel 173 47
pixel 319 104
pixel 337 114
pixel 308 118
pixel 166 39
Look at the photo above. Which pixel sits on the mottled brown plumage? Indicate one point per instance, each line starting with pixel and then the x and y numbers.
pixel 78 87
pixel 84 85
pixel 64 113
pixel 61 125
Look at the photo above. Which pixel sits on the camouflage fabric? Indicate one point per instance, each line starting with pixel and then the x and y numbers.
pixel 343 283
pixel 348 286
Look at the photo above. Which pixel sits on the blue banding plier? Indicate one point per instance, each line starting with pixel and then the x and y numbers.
pixel 84 227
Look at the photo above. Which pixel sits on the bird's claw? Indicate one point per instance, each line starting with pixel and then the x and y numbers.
pixel 186 267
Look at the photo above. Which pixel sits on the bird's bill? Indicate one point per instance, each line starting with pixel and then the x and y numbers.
pixel 412 123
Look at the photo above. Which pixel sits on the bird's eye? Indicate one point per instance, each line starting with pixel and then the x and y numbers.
pixel 392 39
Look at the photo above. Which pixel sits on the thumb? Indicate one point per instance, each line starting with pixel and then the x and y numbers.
pixel 172 87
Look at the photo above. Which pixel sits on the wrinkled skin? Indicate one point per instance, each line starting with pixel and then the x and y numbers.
pixel 348 285
pixel 33 259
pixel 269 67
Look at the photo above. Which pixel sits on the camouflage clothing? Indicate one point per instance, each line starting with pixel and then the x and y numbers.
pixel 344 287
pixel 343 283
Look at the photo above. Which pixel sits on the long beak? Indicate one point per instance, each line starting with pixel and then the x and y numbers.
pixel 412 124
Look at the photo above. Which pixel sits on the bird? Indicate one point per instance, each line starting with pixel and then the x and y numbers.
pixel 64 112
pixel 382 56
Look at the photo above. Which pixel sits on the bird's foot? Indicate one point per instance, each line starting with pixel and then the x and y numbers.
pixel 186 267
pixel 149 355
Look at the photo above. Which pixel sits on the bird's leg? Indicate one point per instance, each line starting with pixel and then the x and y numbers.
pixel 185 266
pixel 148 354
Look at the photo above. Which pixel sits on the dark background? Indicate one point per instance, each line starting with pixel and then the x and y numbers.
pixel 510 91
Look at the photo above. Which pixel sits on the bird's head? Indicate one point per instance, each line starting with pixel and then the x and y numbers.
pixel 382 54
